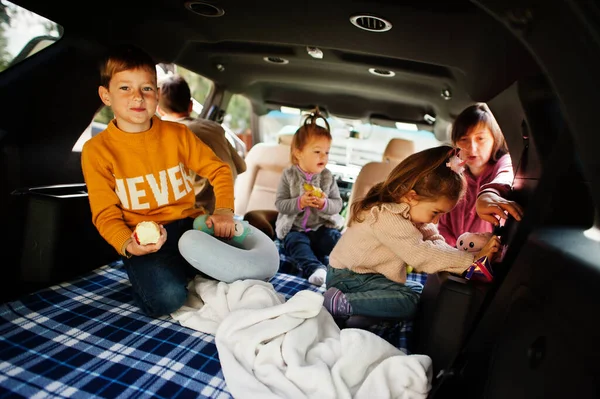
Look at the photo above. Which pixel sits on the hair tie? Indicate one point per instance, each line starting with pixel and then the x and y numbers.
pixel 313 116
pixel 456 164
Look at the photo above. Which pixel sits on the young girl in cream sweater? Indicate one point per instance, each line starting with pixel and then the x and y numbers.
pixel 308 201
pixel 393 226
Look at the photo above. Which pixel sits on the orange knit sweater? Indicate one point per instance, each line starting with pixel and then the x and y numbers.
pixel 132 177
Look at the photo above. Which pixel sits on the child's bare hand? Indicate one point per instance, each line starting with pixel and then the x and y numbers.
pixel 223 224
pixel 490 248
pixel 137 249
pixel 319 202
pixel 307 200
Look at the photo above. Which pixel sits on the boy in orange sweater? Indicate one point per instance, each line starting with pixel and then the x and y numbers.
pixel 141 169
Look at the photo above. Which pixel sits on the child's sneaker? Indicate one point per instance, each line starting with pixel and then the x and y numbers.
pixel 318 277
pixel 336 303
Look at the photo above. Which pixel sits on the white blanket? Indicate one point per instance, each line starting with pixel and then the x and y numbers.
pixel 270 348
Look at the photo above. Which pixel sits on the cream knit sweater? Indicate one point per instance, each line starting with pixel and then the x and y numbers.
pixel 387 241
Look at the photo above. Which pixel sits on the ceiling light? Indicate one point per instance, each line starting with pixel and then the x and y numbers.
pixel 370 23
pixel 406 126
pixel 276 60
pixel 446 94
pixel 290 110
pixel 314 52
pixel 382 72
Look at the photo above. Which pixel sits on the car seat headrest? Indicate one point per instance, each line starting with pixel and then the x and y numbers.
pixel 285 139
pixel 397 149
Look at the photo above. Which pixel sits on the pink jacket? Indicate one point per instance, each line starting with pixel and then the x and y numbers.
pixel 498 179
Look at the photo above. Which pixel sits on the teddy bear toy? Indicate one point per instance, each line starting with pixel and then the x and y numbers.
pixel 481 269
pixel 472 242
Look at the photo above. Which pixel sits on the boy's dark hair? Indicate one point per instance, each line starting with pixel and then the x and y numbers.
pixel 475 115
pixel 308 130
pixel 175 94
pixel 425 172
pixel 124 57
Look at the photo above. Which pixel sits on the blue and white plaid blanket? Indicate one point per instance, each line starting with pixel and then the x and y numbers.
pixel 86 338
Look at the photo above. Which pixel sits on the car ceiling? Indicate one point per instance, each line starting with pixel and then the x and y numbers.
pixel 432 46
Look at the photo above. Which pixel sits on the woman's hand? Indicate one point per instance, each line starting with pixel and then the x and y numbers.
pixel 223 223
pixel 492 207
pixel 138 250
pixel 490 248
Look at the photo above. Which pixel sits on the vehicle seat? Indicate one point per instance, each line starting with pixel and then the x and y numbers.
pixel 285 139
pixel 373 172
pixel 257 186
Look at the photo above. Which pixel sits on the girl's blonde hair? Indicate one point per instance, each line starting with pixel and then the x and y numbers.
pixel 308 131
pixel 425 172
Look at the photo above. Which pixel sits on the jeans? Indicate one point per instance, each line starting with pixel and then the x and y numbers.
pixel 159 280
pixel 374 295
pixel 305 248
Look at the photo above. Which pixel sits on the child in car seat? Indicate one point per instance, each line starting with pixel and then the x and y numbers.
pixel 308 201
pixel 393 226
pixel 141 169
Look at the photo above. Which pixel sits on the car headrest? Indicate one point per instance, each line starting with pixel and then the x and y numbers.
pixel 398 149
pixel 285 139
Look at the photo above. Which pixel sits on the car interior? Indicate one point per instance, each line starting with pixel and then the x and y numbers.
pixel 374 68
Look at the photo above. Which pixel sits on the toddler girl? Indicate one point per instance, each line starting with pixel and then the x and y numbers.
pixel 308 201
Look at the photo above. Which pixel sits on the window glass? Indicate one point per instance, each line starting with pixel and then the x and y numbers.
pixel 237 123
pixel 354 143
pixel 23 33
pixel 199 86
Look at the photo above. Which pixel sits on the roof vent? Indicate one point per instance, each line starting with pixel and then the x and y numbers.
pixel 382 72
pixel 276 60
pixel 204 9
pixel 370 23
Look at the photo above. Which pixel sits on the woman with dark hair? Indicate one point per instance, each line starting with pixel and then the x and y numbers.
pixel 489 175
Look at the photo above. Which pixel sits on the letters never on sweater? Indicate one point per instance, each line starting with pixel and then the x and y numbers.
pixel 132 177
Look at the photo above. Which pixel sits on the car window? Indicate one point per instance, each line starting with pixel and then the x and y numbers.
pixel 199 85
pixel 236 123
pixel 23 33
pixel 354 143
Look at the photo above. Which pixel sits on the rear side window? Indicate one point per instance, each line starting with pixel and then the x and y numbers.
pixel 23 33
